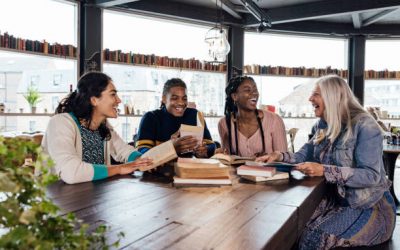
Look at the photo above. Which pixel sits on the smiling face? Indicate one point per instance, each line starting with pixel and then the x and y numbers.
pixel 246 95
pixel 176 101
pixel 106 106
pixel 317 102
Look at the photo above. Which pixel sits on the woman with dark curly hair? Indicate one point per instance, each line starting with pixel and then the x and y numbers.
pixel 79 139
pixel 246 130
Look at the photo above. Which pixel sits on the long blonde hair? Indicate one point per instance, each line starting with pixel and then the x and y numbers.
pixel 341 107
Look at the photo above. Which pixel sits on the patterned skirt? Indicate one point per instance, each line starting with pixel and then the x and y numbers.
pixel 333 225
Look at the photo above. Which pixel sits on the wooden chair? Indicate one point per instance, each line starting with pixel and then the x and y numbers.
pixel 292 135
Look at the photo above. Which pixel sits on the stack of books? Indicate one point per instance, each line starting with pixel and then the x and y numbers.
pixel 260 172
pixel 232 159
pixel 201 172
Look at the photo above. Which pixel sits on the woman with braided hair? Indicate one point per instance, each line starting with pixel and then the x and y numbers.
pixel 246 130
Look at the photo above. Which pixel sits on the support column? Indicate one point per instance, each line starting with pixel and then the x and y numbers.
pixel 235 56
pixel 91 38
pixel 356 66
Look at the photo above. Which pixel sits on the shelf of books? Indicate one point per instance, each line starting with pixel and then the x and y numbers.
pixel 255 69
pixel 15 44
pixel 118 57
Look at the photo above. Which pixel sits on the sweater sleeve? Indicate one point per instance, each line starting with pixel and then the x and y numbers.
pixel 146 133
pixel 120 150
pixel 59 142
pixel 223 134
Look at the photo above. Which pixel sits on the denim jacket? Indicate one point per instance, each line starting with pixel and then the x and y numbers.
pixel 356 166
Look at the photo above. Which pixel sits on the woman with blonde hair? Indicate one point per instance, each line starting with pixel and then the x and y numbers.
pixel 358 209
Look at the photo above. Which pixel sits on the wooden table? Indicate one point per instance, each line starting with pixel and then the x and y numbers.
pixel 390 153
pixel 155 215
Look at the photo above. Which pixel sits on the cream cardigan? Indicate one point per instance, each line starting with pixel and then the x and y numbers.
pixel 63 142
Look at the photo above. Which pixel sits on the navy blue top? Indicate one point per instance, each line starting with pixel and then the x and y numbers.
pixel 158 125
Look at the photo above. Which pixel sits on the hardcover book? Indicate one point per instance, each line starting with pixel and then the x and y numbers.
pixel 256 171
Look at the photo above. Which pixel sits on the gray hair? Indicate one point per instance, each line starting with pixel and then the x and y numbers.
pixel 341 107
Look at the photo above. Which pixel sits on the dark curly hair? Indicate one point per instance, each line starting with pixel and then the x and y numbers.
pixel 231 111
pixel 78 102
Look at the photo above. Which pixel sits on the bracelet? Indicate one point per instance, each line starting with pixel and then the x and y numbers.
pixel 283 156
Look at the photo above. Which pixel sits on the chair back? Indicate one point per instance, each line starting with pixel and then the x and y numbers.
pixel 292 135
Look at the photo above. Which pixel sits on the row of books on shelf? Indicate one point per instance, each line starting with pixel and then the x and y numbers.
pixel 295 71
pixel 154 60
pixel 372 74
pixel 12 42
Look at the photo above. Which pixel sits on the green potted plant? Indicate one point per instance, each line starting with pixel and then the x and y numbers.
pixel 29 219
pixel 33 97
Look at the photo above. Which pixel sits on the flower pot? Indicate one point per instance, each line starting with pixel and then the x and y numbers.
pixel 33 110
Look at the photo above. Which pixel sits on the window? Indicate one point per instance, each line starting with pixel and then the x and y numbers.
pixel 57 79
pixel 35 80
pixel 54 21
pixel 32 126
pixel 381 55
pixel 142 85
pixel 126 133
pixel 54 102
pixel 289 94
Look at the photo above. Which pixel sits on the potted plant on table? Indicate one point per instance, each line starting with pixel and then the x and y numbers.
pixel 33 97
pixel 29 220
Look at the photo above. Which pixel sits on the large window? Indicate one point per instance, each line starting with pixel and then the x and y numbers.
pixel 51 76
pixel 383 92
pixel 289 94
pixel 141 86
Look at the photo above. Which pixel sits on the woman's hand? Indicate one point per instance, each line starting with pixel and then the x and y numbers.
pixel 311 168
pixel 275 156
pixel 129 167
pixel 201 151
pixel 184 144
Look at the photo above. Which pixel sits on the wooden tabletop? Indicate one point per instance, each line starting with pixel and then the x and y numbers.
pixel 155 215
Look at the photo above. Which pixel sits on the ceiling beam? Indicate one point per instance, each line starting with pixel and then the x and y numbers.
pixel 111 3
pixel 228 7
pixel 326 8
pixel 179 11
pixel 339 29
pixel 356 17
pixel 377 17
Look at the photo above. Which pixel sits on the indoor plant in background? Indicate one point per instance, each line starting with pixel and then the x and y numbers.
pixel 33 97
pixel 29 220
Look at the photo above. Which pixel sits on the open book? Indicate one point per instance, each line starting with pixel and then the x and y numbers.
pixel 280 166
pixel 195 131
pixel 231 159
pixel 160 154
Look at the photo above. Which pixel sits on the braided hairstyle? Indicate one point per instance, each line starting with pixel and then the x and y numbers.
pixel 169 84
pixel 78 102
pixel 231 110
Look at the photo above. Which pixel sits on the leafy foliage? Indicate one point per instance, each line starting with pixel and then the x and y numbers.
pixel 28 219
pixel 32 96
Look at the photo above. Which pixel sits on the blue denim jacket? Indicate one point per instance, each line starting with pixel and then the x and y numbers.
pixel 355 166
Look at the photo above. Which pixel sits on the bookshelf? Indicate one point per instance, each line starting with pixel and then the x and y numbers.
pixel 256 69
pixel 152 60
pixel 36 53
pixel 316 72
pixel 34 47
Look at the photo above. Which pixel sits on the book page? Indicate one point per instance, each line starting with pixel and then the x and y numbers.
pixel 195 131
pixel 160 154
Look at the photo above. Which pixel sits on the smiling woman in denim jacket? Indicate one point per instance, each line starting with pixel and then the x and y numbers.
pixel 358 209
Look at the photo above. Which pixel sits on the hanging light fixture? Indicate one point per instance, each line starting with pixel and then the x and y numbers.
pixel 218 45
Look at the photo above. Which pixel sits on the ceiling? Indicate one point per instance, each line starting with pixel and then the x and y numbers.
pixel 373 18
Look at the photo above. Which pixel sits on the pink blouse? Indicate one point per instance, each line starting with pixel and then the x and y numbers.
pixel 274 136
